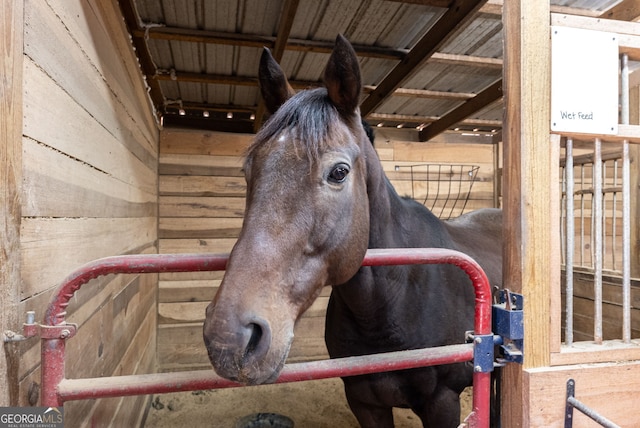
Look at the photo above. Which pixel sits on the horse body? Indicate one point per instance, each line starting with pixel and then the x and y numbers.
pixel 317 198
pixel 389 308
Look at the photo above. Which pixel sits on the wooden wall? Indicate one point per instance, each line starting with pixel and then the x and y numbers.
pixel 88 190
pixel 201 205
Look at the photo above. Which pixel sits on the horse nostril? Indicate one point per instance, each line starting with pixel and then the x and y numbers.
pixel 254 340
pixel 259 338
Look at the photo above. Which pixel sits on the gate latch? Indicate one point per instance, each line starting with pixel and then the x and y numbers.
pixel 508 322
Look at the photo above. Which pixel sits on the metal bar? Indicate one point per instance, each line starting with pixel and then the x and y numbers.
pixel 603 218
pixel 587 411
pixel 563 215
pixel 52 370
pixel 614 216
pixel 572 403
pixel 626 207
pixel 597 240
pixel 568 408
pixel 53 382
pixel 444 205
pixel 473 172
pixel 450 173
pixel 626 245
pixel 624 89
pixel 160 383
pixel 570 226
pixel 581 216
pixel 151 263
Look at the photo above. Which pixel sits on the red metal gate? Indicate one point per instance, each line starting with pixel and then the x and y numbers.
pixel 56 389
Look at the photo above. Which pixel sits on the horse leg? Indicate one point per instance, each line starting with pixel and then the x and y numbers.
pixel 369 416
pixel 441 411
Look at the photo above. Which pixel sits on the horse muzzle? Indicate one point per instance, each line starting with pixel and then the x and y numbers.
pixel 240 347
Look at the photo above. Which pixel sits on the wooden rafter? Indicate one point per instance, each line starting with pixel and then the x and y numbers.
pixel 373 117
pixel 454 18
pixel 300 45
pixel 223 79
pixel 256 41
pixel 472 105
pixel 626 10
pixel 287 16
pixel 421 120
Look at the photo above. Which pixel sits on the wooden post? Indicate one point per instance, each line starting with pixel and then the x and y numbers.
pixel 529 165
pixel 11 24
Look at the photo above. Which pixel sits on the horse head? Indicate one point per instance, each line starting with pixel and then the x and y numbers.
pixel 306 221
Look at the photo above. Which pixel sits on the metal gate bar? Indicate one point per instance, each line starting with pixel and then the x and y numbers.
pixel 161 383
pixel 570 238
pixel 573 402
pixel 56 389
pixel 626 204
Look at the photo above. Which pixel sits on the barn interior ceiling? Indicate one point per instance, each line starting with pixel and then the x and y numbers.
pixel 432 65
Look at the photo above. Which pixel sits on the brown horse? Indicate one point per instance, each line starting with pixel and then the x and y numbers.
pixel 317 198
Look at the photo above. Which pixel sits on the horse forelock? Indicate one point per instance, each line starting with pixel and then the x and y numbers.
pixel 310 121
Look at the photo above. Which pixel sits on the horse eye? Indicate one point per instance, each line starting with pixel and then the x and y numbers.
pixel 339 173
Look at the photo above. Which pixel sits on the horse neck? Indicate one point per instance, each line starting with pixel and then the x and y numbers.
pixel 389 227
pixel 391 216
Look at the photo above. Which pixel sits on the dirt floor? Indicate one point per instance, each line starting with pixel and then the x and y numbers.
pixel 313 404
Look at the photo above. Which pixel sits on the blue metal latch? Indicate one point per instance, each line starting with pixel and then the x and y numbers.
pixel 508 322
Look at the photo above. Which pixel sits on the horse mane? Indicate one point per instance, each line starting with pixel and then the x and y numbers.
pixel 369 131
pixel 309 117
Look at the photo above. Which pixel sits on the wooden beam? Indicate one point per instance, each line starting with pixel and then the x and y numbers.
pixel 530 193
pixel 494 7
pixel 193 122
pixel 626 10
pixel 458 15
pixel 223 79
pixel 181 76
pixel 466 60
pixel 256 41
pixel 289 9
pixel 425 93
pixel 301 45
pixel 287 17
pixel 466 109
pixel 433 3
pixel 528 166
pixel 411 119
pixel 620 27
pixel 226 108
pixel 212 79
pixel 11 34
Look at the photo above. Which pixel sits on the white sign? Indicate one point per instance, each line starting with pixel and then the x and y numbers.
pixel 584 81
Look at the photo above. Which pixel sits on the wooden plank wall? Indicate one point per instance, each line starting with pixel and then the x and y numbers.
pixel 11 16
pixel 201 205
pixel 89 190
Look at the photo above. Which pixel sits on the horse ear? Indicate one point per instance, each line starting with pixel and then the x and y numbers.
pixel 342 76
pixel 274 86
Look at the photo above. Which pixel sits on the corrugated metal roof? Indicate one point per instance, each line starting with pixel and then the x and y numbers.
pixel 203 55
